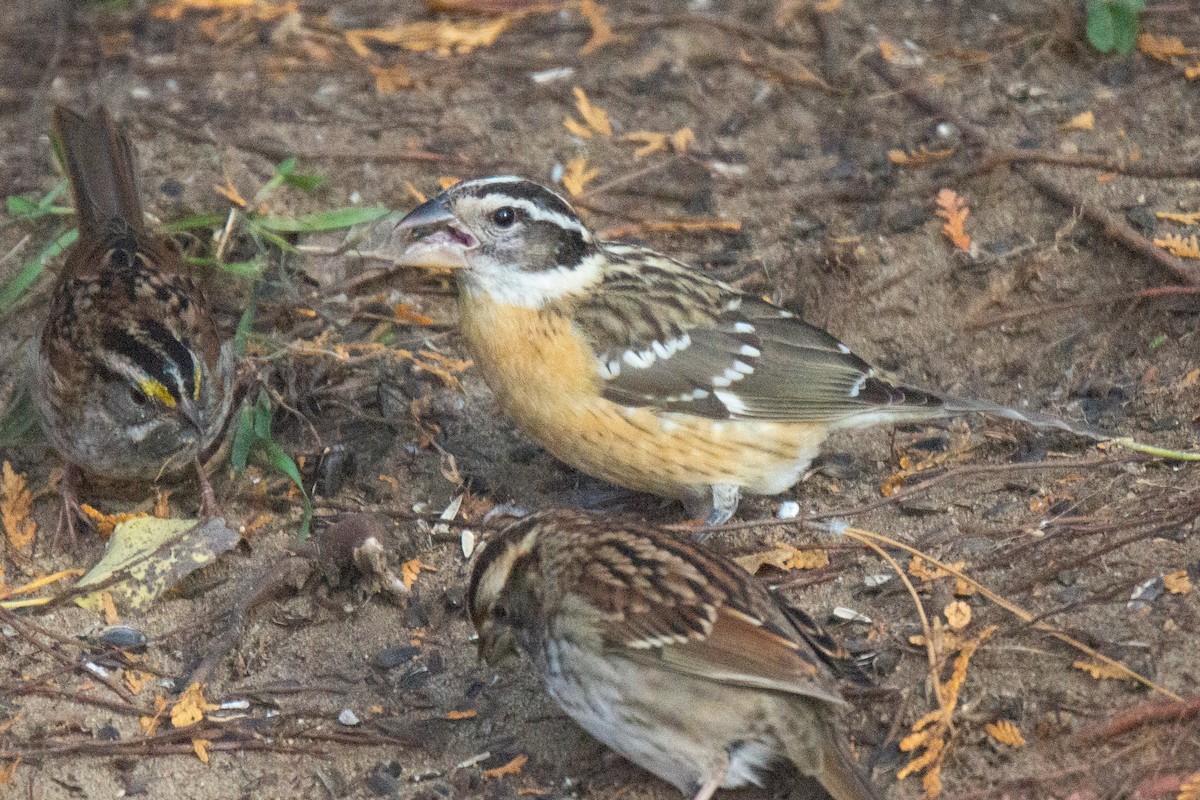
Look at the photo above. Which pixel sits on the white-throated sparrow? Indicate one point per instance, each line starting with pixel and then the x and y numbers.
pixel 129 371
pixel 632 367
pixel 673 656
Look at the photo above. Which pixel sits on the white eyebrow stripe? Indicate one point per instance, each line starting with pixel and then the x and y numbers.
pixel 542 214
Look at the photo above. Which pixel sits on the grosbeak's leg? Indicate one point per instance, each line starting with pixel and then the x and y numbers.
pixel 713 507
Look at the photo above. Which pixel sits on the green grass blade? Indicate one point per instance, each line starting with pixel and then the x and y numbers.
pixel 324 220
pixel 32 269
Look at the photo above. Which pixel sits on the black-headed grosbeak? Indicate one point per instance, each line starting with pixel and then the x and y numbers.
pixel 635 368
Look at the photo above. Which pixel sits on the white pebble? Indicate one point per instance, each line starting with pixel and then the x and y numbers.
pixel 788 509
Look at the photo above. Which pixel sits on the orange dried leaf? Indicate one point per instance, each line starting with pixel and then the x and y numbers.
pixel 919 157
pixel 958 615
pixel 1189 787
pixel 652 142
pixel 1183 219
pixel 470 713
pixel 200 748
pixel 1080 122
pixel 389 80
pixel 136 681
pixel 578 128
pixel 1102 672
pixel 511 768
pixel 16 503
pixel 149 724
pixel 577 176
pixel 602 32
pixel 1179 246
pixel 594 118
pixel 230 193
pixel 446 181
pixel 105 524
pixel 411 569
pixel 953 209
pixel 111 617
pixel 407 315
pixel 190 707
pixel 1005 732
pixel 1192 72
pixel 1164 48
pixel 442 37
pixel 1177 582
pixel 827 6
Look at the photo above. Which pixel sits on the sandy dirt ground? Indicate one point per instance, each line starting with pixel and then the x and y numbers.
pixel 800 113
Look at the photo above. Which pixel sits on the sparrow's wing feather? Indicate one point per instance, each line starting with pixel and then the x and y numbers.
pixel 671 338
pixel 666 603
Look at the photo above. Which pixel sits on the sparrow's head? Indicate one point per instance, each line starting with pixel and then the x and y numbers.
pixel 503 597
pixel 510 238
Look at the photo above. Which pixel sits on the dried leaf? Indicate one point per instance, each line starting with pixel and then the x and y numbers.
pixel 16 503
pixel 595 118
pixel 577 176
pixel 602 32
pixel 1189 787
pixel 1179 246
pixel 147 556
pixel 655 142
pixel 1192 72
pixel 1005 732
pixel 784 557
pixel 828 6
pixel 1164 48
pixel 110 610
pixel 1080 122
pixel 411 569
pixel 1183 219
pixel 446 181
pixel 931 732
pixel 958 615
pixel 190 707
pixel 389 80
pixel 511 768
pixel 1102 672
pixel 470 713
pixel 953 209
pixel 136 680
pixel 230 193
pixel 899 55
pixel 919 157
pixel 1177 582
pixel 149 725
pixel 443 36
pixel 407 315
pixel 105 524
pixel 200 748
pixel 577 128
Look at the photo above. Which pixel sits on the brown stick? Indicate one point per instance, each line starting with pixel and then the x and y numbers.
pixel 1113 226
pixel 1148 713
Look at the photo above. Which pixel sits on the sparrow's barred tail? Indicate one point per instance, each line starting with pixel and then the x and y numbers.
pixel 99 159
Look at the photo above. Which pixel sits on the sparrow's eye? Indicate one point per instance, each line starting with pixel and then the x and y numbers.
pixel 504 216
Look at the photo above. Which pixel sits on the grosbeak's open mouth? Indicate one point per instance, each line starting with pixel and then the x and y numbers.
pixel 445 246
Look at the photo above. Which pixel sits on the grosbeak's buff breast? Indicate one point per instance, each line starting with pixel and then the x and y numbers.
pixel 671 655
pixel 633 367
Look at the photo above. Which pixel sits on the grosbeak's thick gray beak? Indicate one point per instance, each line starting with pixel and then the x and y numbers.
pixel 444 245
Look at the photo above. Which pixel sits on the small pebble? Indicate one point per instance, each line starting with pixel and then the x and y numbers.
pixel 348 717
pixel 551 75
pixel 789 509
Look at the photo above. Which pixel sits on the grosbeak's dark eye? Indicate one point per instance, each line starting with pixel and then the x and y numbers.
pixel 504 216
